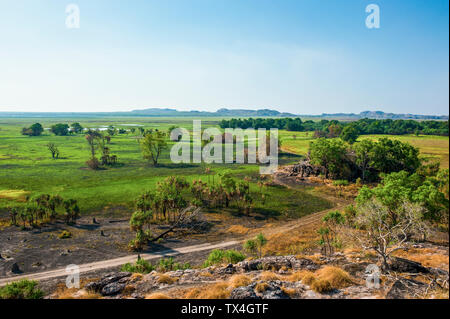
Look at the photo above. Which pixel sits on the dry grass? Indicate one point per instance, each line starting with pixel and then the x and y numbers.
pixel 157 295
pixel 206 274
pixel 128 290
pixel 136 277
pixel 323 280
pixel 261 287
pixel 164 279
pixel 321 286
pixel 305 276
pixel 216 291
pixel 238 229
pixel 62 292
pixel 239 281
pixel 337 277
pixel 289 291
pixel 296 241
pixel 268 276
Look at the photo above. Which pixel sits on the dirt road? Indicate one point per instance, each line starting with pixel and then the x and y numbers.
pixel 116 262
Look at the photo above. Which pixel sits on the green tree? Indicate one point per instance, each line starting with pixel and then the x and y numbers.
pixel 393 156
pixel 76 128
pixel 60 129
pixel 34 130
pixel 251 246
pixel 261 241
pixel 152 145
pixel 398 187
pixel 349 134
pixel 364 155
pixel 330 154
pixel 53 150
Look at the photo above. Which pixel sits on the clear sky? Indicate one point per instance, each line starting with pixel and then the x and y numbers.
pixel 300 56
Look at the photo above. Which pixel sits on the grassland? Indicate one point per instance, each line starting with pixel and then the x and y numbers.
pixel 26 168
pixel 430 146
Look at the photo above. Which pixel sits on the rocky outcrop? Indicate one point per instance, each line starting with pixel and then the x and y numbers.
pixel 276 263
pixel 305 169
pixel 406 266
pixel 110 284
pixel 406 288
pixel 272 290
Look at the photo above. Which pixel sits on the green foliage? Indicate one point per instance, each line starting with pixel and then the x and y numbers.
pixel 340 182
pixel 53 150
pixel 152 145
pixel 349 134
pixel 76 128
pixel 330 154
pixel 34 130
pixel 362 126
pixel 251 246
pixel 60 129
pixel 329 232
pixel 391 155
pixel 23 289
pixel 401 186
pixel 219 256
pixel 141 266
pixel 167 264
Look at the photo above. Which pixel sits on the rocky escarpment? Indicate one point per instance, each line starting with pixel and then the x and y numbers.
pixel 271 278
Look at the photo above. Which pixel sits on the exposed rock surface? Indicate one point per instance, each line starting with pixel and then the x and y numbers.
pixel 405 265
pixel 406 288
pixel 272 290
pixel 276 263
pixel 109 284
pixel 305 169
pixel 123 285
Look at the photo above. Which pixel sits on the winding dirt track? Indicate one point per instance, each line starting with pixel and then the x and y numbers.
pixel 110 263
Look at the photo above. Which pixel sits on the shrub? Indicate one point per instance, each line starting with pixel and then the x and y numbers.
pixel 93 163
pixel 219 256
pixel 234 256
pixel 167 264
pixel 23 289
pixel 141 266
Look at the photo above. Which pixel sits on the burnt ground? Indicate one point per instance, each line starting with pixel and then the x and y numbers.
pixel 40 249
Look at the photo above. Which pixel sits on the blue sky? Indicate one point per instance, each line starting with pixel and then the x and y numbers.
pixel 300 56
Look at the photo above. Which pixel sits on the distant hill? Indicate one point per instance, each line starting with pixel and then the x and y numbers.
pixel 221 112
pixel 167 112
pixel 381 115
